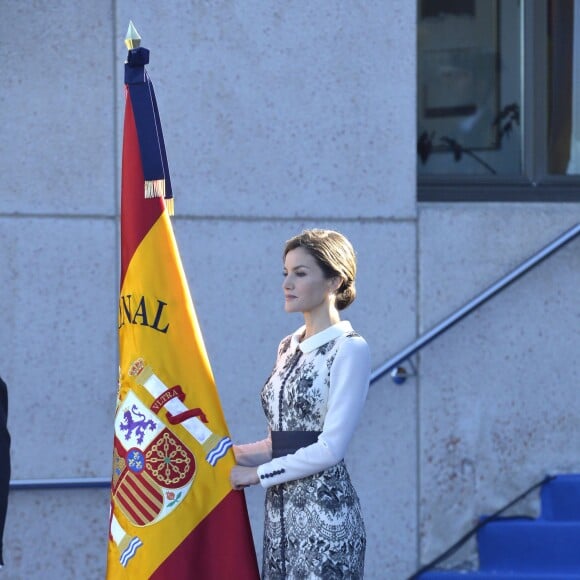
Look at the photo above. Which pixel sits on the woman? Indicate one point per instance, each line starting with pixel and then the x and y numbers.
pixel 312 400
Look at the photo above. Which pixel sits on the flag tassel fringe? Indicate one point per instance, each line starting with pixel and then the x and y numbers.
pixel 155 188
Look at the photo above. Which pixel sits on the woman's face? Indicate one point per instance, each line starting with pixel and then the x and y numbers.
pixel 305 287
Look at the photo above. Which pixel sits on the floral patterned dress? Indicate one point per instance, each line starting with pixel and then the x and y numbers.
pixel 313 522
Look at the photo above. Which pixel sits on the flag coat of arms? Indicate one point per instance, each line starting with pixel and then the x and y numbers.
pixel 173 512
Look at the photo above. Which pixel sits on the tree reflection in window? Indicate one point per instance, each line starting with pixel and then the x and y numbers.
pixel 504 123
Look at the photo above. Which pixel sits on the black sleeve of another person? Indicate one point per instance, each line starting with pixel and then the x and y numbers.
pixel 4 460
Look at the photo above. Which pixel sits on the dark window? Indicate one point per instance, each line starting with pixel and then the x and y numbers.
pixel 498 100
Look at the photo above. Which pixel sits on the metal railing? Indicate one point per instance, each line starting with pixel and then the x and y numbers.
pixel 69 483
pixel 389 365
pixel 476 302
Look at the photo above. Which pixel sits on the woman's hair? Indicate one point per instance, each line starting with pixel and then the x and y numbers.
pixel 335 255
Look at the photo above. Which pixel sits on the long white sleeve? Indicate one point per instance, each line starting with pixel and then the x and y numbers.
pixel 349 383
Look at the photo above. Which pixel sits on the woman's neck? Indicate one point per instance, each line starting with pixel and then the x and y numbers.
pixel 317 323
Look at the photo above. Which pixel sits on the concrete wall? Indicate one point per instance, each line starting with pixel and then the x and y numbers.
pixel 277 116
pixel 499 401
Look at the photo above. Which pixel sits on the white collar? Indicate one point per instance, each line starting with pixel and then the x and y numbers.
pixel 317 340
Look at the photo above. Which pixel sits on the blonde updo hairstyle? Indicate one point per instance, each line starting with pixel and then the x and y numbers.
pixel 335 256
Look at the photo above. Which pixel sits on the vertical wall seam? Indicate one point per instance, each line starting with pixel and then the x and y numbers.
pixel 418 383
pixel 418 471
pixel 116 149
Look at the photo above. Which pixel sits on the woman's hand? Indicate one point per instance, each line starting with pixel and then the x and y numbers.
pixel 241 476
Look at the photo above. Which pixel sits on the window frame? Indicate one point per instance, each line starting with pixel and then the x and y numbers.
pixel 534 184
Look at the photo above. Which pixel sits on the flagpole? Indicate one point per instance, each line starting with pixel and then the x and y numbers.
pixel 173 513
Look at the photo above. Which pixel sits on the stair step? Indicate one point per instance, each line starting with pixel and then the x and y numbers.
pixel 479 575
pixel 561 498
pixel 531 546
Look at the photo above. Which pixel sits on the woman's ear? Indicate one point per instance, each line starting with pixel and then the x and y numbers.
pixel 334 284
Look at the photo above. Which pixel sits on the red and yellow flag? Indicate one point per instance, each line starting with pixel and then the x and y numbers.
pixel 173 512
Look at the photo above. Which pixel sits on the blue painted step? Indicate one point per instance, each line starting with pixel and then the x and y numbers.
pixel 478 575
pixel 561 498
pixel 547 548
pixel 530 545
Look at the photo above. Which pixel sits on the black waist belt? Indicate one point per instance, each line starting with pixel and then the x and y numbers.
pixel 287 442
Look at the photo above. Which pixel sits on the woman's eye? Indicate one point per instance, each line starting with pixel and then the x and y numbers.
pixel 300 274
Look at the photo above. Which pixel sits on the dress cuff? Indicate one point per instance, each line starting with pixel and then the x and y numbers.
pixel 270 475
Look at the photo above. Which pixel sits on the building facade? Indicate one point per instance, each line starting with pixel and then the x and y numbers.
pixel 278 117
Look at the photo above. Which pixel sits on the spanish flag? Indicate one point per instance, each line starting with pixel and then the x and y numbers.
pixel 173 513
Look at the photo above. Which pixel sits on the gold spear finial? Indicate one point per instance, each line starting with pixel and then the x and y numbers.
pixel 132 40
